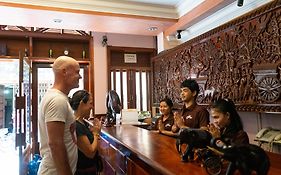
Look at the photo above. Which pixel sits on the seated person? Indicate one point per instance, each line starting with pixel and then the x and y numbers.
pixel 227 124
pixel 165 122
pixel 191 114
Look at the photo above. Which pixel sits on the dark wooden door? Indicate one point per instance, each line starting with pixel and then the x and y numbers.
pixel 131 79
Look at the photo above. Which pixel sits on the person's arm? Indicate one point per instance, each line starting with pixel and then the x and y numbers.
pixel 175 129
pixel 83 143
pixel 241 137
pixel 155 128
pixel 58 150
pixel 168 133
pixel 162 130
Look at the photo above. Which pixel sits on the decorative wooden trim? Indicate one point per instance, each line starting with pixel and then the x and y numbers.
pixel 81 32
pixel 42 30
pixel 30 31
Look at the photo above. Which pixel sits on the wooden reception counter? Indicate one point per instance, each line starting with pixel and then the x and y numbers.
pixel 131 150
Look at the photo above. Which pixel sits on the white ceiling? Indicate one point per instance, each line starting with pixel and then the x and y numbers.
pixel 160 2
pixel 125 16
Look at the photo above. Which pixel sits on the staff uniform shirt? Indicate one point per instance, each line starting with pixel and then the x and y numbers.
pixel 168 123
pixel 233 136
pixel 195 116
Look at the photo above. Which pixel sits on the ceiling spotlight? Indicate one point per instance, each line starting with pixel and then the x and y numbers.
pixel 240 3
pixel 57 20
pixel 178 35
pixel 152 28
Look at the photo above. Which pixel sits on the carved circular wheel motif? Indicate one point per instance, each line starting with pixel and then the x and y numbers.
pixel 269 89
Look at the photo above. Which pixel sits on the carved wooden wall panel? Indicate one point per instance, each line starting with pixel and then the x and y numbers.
pixel 240 60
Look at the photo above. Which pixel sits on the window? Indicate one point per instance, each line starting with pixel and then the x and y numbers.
pixel 131 80
pixel 132 87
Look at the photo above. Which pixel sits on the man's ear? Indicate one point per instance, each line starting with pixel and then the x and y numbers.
pixel 194 93
pixel 64 71
pixel 227 115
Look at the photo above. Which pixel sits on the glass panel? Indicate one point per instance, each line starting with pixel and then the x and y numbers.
pixel 9 84
pixel 144 91
pixel 125 92
pixel 138 91
pixel 112 80
pixel 118 83
pixel 27 93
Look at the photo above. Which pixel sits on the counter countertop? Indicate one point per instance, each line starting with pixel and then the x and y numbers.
pixel 159 151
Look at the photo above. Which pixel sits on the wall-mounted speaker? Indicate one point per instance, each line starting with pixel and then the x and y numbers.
pixel 240 3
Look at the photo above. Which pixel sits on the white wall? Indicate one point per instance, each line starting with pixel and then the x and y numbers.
pixel 100 61
pixel 253 122
pixel 165 43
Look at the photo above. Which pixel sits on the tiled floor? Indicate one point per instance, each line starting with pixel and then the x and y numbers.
pixel 9 160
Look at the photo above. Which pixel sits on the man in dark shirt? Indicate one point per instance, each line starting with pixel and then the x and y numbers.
pixel 191 115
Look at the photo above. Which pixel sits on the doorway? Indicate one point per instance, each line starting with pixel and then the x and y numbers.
pixel 9 84
pixel 129 74
pixel 9 87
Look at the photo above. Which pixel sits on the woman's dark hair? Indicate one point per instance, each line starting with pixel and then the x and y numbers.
pixel 77 97
pixel 168 101
pixel 227 106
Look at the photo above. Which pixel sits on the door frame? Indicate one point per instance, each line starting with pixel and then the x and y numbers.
pixel 22 106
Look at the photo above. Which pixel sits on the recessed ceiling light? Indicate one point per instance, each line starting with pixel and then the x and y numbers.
pixel 152 28
pixel 57 20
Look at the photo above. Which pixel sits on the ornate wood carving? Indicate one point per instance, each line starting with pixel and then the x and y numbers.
pixel 240 60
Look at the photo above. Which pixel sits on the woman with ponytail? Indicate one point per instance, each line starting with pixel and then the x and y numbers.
pixel 227 125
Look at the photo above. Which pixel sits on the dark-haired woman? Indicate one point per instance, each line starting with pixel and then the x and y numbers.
pixel 165 123
pixel 227 124
pixel 87 136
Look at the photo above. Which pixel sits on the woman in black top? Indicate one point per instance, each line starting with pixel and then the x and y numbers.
pixel 227 124
pixel 87 136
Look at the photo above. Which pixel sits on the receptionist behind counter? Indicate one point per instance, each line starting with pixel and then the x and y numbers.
pixel 191 115
pixel 227 123
pixel 165 123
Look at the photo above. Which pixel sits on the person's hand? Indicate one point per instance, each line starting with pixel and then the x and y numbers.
pixel 178 120
pixel 26 154
pixel 214 130
pixel 161 126
pixel 175 128
pixel 96 128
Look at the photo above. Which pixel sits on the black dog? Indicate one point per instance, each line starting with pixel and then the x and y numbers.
pixel 246 158
pixel 194 138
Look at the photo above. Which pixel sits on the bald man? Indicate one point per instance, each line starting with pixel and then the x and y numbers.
pixel 57 123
